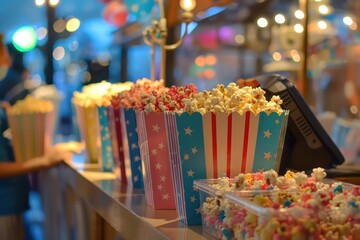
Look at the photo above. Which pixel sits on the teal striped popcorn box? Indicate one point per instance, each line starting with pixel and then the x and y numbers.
pixel 131 149
pixel 220 144
pixel 106 158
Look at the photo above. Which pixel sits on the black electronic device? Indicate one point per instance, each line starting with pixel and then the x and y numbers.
pixel 307 145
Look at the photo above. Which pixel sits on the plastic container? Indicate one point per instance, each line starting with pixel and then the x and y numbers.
pixel 235 215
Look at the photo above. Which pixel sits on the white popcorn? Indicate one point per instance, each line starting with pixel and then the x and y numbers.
pixel 318 173
pixel 300 178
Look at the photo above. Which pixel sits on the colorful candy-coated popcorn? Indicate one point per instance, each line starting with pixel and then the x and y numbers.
pixel 298 207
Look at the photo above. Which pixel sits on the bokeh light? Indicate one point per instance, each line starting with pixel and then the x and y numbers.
pixel 59 25
pixel 200 61
pixel 24 39
pixel 276 56
pixel 299 14
pixel 72 24
pixel 39 3
pixel 59 53
pixel 41 33
pixel 280 19
pixel 322 24
pixel 298 28
pixel 262 22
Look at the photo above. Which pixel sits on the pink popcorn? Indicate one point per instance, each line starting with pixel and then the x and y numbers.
pixel 142 88
pixel 172 100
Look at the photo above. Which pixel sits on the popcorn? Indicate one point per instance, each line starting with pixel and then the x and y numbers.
pixel 30 105
pixel 141 89
pixel 232 98
pixel 270 176
pixel 317 209
pixel 300 178
pixel 176 99
pixel 99 94
pixel 318 173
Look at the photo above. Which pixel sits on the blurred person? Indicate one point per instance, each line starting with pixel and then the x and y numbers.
pixel 12 74
pixel 14 185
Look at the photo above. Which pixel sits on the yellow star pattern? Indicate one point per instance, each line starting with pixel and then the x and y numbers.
pixel 267 134
pixel 188 131
pixel 267 155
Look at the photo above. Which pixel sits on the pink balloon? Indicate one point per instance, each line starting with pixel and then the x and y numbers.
pixel 104 1
pixel 116 13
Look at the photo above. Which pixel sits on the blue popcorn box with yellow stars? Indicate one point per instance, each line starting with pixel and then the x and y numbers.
pixel 130 141
pixel 106 159
pixel 220 144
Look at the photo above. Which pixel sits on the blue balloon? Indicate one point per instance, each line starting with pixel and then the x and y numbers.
pixel 139 8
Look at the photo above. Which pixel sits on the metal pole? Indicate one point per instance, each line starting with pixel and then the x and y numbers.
pixel 163 32
pixel 49 68
pixel 304 84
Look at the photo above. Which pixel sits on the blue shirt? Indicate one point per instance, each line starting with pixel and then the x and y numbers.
pixel 14 191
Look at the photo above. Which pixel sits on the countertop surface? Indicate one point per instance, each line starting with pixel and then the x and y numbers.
pixel 122 206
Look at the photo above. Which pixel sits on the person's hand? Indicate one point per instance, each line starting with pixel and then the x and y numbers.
pixel 5 105
pixel 61 152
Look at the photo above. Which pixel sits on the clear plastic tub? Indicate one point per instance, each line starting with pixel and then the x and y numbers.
pixel 242 214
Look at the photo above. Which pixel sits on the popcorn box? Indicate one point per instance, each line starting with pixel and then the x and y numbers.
pixel 32 134
pixel 106 159
pixel 154 151
pixel 238 215
pixel 114 118
pixel 130 147
pixel 87 120
pixel 186 145
pixel 221 144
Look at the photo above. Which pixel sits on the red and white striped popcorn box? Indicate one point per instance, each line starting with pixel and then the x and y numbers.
pixel 154 151
pixel 245 143
pixel 114 117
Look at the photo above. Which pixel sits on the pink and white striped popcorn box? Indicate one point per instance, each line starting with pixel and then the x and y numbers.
pixel 154 151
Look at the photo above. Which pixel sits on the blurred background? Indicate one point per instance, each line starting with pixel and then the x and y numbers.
pixel 71 43
pixel 86 41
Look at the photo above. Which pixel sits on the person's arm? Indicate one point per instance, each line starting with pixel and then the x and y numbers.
pixel 54 156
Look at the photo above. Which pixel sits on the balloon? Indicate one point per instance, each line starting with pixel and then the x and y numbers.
pixel 139 8
pixel 104 1
pixel 115 13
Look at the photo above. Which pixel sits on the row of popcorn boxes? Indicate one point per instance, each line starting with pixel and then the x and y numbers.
pixel 110 138
pixel 330 212
pixel 201 146
pixel 174 149
pixel 177 149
